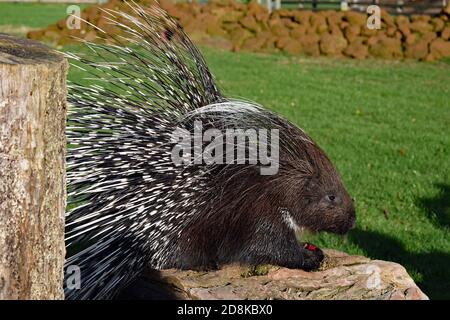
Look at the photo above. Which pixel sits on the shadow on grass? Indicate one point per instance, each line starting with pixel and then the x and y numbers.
pixel 432 266
pixel 438 208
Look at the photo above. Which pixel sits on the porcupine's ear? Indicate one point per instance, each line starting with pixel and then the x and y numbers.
pixel 152 51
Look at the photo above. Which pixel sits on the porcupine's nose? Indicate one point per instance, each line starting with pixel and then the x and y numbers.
pixel 352 221
pixel 353 225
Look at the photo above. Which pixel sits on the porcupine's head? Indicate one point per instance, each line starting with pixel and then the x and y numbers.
pixel 314 194
pixel 305 189
pixel 311 194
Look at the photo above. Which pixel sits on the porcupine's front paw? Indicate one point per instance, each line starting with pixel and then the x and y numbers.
pixel 312 256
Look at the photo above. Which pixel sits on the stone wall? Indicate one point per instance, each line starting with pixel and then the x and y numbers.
pixel 238 26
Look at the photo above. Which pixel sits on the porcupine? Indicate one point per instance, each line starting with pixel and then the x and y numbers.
pixel 132 207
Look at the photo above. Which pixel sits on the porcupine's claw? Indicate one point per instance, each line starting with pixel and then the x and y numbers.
pixel 313 256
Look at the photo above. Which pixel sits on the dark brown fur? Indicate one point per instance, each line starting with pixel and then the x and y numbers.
pixel 243 220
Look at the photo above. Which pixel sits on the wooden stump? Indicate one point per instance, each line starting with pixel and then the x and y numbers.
pixel 32 170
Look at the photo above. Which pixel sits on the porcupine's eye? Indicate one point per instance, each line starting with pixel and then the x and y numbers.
pixel 332 199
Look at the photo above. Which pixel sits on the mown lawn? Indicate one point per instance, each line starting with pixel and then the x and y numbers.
pixel 386 126
pixel 18 18
pixel 33 15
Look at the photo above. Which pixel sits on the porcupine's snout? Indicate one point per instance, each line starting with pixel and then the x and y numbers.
pixel 349 221
pixel 352 218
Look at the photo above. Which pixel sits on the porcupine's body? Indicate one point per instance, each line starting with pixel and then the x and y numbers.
pixel 134 207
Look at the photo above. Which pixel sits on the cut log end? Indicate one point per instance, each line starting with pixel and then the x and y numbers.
pixel 22 51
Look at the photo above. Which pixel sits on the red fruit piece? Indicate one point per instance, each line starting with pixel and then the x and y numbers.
pixel 310 247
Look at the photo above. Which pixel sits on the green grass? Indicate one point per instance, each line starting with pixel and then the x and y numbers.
pixel 386 126
pixel 32 15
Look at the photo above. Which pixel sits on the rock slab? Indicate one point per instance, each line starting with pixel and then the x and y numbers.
pixel 340 277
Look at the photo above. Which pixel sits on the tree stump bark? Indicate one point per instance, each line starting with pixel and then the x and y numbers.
pixel 32 170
